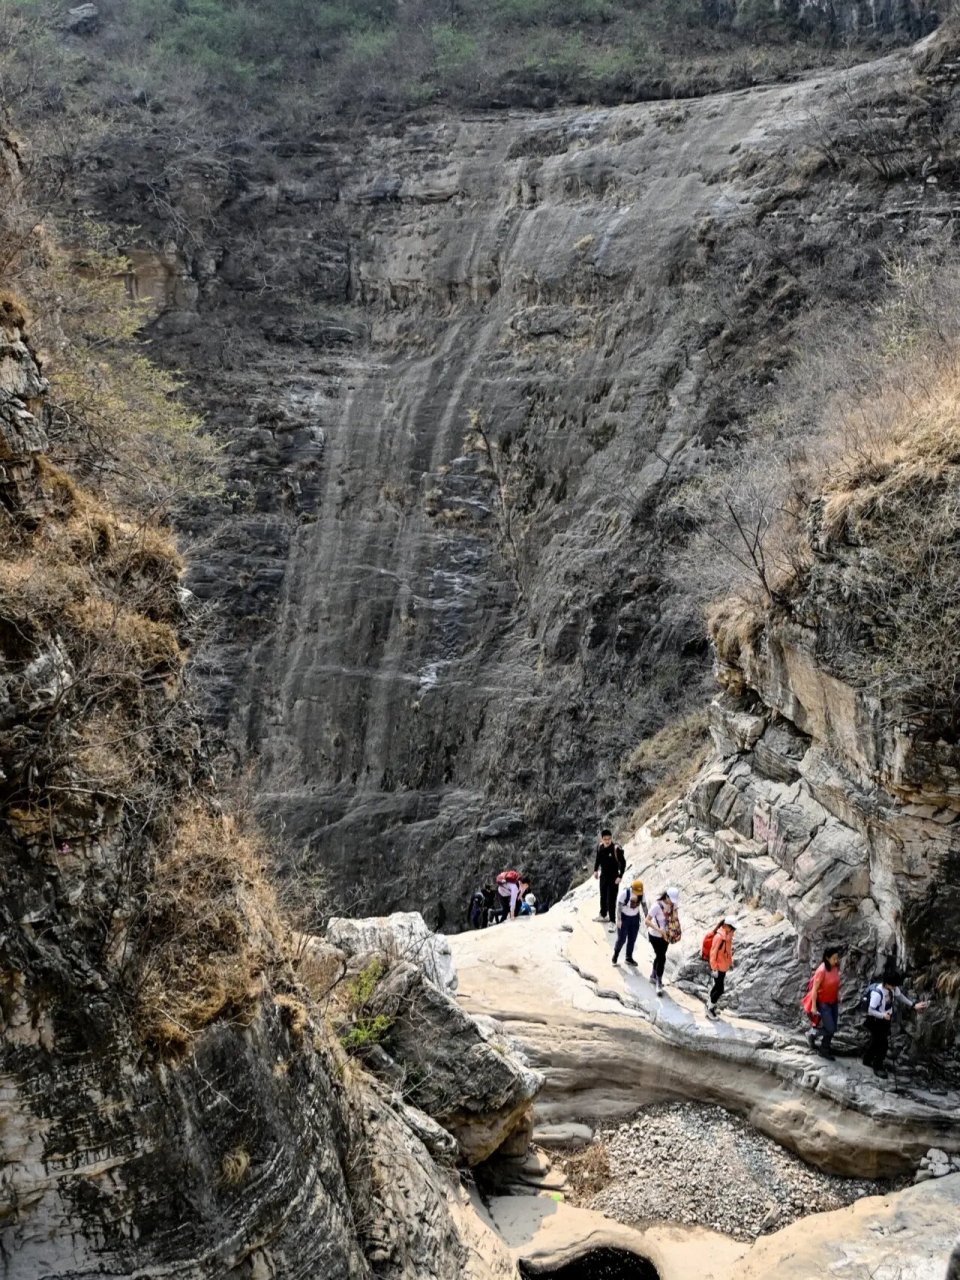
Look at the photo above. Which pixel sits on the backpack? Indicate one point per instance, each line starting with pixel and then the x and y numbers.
pixel 672 932
pixel 707 944
pixel 863 1004
pixel 508 877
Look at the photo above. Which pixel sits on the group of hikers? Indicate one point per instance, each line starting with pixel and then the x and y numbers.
pixel 623 908
pixel 511 898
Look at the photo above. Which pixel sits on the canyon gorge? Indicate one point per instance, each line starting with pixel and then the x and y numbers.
pixel 481 378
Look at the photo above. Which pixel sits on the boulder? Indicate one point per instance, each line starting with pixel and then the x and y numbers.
pixel 402 936
pixel 468 1081
pixel 82 20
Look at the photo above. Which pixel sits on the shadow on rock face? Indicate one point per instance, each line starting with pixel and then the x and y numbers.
pixel 600 1264
pixel 953 1266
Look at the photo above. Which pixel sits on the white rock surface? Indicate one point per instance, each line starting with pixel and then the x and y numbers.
pixel 401 936
pixel 604 1056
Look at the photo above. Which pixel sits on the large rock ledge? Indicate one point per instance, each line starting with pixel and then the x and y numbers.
pixel 606 1045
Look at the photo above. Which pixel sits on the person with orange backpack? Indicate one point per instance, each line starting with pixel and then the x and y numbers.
pixel 721 961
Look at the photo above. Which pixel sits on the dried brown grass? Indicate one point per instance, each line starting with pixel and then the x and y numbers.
pixel 666 763
pixel 734 625
pixel 588 1171
pixel 211 932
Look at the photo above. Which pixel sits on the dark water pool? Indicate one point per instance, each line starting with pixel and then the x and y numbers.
pixel 601 1264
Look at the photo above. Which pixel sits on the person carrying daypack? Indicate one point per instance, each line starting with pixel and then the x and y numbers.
pixel 721 962
pixel 881 999
pixel 528 905
pixel 609 867
pixel 663 927
pixel 477 911
pixel 630 904
pixel 508 894
pixel 822 1002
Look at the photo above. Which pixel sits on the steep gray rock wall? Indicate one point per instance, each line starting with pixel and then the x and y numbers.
pixel 258 1150
pixel 458 364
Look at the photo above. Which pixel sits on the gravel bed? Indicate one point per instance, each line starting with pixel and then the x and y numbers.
pixel 703 1166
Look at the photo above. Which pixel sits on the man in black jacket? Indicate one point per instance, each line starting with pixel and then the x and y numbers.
pixel 611 863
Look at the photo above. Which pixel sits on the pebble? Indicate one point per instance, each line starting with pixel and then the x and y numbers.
pixel 702 1166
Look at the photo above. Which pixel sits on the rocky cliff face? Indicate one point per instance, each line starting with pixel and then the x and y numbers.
pixel 458 366
pixel 140 1134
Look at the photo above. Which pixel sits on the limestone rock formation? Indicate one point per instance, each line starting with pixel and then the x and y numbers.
pixel 402 936
pixel 607 1045
pixel 468 1081
pixel 904 1234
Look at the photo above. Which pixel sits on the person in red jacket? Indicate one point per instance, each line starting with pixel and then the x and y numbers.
pixel 721 962
pixel 823 1001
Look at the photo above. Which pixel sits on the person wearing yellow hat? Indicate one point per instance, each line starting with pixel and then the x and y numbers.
pixel 631 908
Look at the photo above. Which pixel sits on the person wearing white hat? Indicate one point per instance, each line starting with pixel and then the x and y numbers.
pixel 663 927
pixel 721 961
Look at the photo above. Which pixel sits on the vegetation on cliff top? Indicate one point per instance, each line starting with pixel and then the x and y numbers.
pixel 845 514
pixel 350 55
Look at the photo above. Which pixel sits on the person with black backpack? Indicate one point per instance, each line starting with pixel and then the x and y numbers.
pixel 609 867
pixel 882 998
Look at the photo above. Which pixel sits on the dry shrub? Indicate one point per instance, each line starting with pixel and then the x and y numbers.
pixel 588 1171
pixel 294 1014
pixel 234 1166
pixel 211 930
pixel 666 763
pixel 734 624
pixel 845 514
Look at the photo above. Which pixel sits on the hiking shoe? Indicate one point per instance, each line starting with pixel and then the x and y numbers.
pixel 600 919
pixel 632 963
pixel 615 961
pixel 825 1053
pixel 712 1012
pixel 659 988
pixel 611 928
pixel 811 1038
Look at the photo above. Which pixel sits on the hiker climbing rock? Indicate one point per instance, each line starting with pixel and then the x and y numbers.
pixel 663 928
pixel 630 905
pixel 822 1002
pixel 882 999
pixel 609 867
pixel 508 894
pixel 721 962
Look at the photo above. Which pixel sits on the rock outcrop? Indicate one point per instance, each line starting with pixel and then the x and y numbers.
pixel 904 1234
pixel 402 937
pixel 607 1045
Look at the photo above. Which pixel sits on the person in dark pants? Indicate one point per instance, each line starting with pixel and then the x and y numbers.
pixel 608 868
pixel 721 962
pixel 660 922
pixel 885 995
pixel 630 905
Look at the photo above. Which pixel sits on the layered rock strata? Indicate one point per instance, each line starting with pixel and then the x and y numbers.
pixel 607 1044
pixel 458 366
